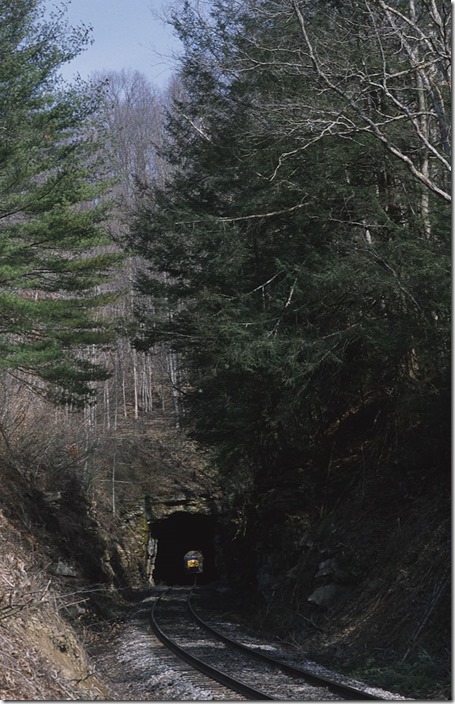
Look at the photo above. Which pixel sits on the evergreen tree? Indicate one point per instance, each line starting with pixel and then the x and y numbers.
pixel 303 283
pixel 53 254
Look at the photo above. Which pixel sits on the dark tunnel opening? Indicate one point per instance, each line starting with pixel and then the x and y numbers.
pixel 177 535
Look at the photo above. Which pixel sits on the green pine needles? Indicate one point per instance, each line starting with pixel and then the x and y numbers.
pixel 54 253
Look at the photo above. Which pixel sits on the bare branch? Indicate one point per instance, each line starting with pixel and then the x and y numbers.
pixel 372 125
pixel 256 216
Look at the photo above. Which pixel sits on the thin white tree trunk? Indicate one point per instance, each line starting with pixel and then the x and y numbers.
pixel 136 399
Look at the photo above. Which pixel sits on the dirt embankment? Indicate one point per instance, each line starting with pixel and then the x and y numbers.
pixel 41 655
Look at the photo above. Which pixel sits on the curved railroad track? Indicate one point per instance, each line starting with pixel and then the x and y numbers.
pixel 247 671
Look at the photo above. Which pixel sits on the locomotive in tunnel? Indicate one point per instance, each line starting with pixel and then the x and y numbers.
pixel 176 536
pixel 194 562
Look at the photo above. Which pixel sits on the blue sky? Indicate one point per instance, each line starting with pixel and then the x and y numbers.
pixel 127 34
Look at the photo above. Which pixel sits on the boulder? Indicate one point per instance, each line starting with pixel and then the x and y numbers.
pixel 325 595
pixel 327 567
pixel 331 568
pixel 63 569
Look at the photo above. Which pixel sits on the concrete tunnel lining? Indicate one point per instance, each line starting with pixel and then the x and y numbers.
pixel 176 535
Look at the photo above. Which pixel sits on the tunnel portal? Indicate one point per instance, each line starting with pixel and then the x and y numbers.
pixel 178 534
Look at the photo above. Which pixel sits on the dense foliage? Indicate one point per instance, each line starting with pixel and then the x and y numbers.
pixel 52 248
pixel 299 252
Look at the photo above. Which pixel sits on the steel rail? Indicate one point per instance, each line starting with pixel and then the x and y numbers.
pixel 311 677
pixel 212 672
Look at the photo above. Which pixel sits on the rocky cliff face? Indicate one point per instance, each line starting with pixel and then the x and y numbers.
pixel 366 586
pixel 42 657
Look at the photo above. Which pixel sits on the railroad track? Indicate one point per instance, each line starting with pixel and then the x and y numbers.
pixel 250 672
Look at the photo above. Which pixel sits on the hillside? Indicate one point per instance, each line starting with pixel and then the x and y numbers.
pixel 361 588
